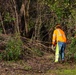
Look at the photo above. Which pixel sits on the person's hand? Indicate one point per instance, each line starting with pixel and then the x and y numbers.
pixel 53 47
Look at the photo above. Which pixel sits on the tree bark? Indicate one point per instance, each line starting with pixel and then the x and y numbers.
pixel 25 12
pixel 2 24
pixel 38 21
pixel 16 15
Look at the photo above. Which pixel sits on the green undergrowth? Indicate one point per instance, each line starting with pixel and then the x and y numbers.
pixel 62 72
pixel 13 49
pixel 67 72
pixel 63 69
pixel 71 49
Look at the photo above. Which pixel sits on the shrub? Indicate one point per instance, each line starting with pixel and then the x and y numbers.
pixel 13 49
pixel 72 48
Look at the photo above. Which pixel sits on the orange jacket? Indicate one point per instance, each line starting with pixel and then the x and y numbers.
pixel 58 35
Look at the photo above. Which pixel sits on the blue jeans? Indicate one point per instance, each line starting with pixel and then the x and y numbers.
pixel 62 46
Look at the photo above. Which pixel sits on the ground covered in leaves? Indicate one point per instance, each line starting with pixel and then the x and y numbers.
pixel 37 66
pixel 30 64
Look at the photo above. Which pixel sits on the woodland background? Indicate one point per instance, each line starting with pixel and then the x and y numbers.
pixel 26 28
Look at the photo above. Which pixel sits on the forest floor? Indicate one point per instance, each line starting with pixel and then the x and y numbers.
pixel 37 66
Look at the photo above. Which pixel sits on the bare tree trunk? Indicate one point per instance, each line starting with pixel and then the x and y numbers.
pixel 36 25
pixel 36 29
pixel 25 12
pixel 20 16
pixel 38 21
pixel 16 15
pixel 2 24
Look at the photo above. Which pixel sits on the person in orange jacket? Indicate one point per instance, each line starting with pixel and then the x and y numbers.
pixel 59 40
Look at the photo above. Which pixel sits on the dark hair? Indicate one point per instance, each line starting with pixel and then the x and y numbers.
pixel 58 26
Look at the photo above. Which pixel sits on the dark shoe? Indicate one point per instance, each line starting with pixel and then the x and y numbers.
pixel 62 61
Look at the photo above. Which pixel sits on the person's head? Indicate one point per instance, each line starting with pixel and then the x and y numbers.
pixel 58 26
